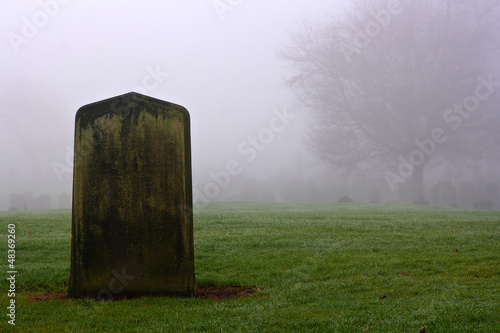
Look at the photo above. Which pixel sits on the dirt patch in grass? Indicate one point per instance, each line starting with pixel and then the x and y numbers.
pixel 206 292
pixel 225 292
pixel 60 295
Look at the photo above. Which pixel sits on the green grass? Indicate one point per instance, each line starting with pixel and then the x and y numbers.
pixel 318 268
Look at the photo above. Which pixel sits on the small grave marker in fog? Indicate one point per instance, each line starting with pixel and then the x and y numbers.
pixel 132 227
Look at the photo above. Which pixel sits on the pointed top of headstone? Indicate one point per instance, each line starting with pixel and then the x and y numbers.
pixel 123 105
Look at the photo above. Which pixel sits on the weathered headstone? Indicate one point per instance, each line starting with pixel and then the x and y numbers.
pixel 43 202
pixel 345 199
pixel 17 202
pixel 64 201
pixel 23 201
pixel 443 193
pixel 483 204
pixel 132 225
pixel 492 193
pixel 29 200
pixel 467 194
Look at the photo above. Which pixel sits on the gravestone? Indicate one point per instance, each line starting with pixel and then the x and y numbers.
pixel 64 201
pixel 43 202
pixel 29 200
pixel 492 193
pixel 345 199
pixel 444 194
pixel 132 224
pixel 24 201
pixel 483 204
pixel 17 202
pixel 467 194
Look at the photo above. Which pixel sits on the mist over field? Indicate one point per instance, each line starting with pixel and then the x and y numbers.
pixel 223 61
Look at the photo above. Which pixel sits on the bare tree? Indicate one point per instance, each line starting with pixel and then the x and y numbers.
pixel 395 86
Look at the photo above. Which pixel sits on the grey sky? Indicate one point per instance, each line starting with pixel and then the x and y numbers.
pixel 221 66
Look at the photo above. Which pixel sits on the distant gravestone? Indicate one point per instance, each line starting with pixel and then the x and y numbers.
pixel 29 200
pixel 43 202
pixel 492 193
pixel 444 194
pixel 132 224
pixel 17 202
pixel 345 199
pixel 64 201
pixel 483 204
pixel 23 201
pixel 467 194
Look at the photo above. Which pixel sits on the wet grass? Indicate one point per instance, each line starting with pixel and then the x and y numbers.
pixel 318 268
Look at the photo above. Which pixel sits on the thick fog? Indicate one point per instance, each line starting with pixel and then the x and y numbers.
pixel 217 58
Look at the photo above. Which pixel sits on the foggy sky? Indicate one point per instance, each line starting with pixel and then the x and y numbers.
pixel 221 66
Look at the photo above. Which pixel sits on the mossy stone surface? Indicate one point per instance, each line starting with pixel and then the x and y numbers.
pixel 132 226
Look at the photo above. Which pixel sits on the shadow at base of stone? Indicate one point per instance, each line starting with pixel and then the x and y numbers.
pixel 214 292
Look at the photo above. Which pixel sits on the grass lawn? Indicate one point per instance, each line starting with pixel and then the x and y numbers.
pixel 318 268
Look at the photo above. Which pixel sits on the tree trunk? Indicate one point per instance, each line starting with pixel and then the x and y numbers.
pixel 418 185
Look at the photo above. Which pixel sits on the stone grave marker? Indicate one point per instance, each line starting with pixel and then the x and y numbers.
pixel 444 194
pixel 492 193
pixel 64 201
pixel 132 225
pixel 467 194
pixel 43 202
pixel 483 204
pixel 24 201
pixel 17 202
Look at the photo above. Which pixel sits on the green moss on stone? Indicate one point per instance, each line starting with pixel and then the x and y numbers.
pixel 132 198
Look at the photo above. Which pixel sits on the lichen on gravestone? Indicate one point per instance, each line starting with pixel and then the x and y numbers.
pixel 132 227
